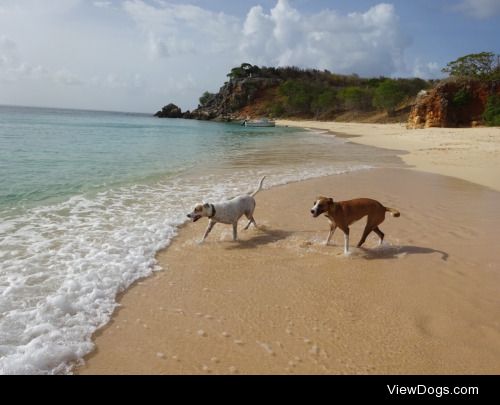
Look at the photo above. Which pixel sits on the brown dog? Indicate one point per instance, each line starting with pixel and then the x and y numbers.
pixel 343 213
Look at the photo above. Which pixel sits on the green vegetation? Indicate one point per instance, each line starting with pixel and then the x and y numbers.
pixel 325 101
pixel 311 93
pixel 245 70
pixel 326 94
pixel 483 66
pixel 356 98
pixel 491 113
pixel 205 98
pixel 462 97
pixel 388 95
pixel 319 94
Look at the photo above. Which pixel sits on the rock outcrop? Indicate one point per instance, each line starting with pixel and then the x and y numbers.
pixel 226 105
pixel 452 103
pixel 232 97
pixel 170 111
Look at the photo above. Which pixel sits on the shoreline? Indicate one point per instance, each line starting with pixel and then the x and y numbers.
pixel 472 154
pixel 210 312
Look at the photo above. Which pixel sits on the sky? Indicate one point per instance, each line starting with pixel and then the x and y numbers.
pixel 139 55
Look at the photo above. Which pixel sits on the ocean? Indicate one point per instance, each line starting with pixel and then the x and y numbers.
pixel 88 198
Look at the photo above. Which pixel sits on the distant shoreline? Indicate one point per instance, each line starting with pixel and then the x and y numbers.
pixel 471 154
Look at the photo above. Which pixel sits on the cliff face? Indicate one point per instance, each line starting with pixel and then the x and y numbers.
pixel 233 97
pixel 453 103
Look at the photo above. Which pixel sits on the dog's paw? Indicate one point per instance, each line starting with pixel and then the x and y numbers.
pixel 200 242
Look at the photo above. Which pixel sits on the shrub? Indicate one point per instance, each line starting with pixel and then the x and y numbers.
pixel 324 101
pixel 205 98
pixel 491 113
pixel 356 98
pixel 461 98
pixel 388 95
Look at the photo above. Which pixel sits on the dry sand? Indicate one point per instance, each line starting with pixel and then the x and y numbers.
pixel 278 301
pixel 472 154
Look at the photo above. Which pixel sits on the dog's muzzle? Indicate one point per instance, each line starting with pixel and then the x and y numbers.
pixel 314 213
pixel 194 217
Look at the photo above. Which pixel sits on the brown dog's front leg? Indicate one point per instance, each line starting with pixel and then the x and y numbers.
pixel 346 238
pixel 330 234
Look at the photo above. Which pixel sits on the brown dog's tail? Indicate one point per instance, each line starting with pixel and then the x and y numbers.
pixel 394 212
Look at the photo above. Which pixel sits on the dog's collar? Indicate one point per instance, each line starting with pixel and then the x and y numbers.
pixel 213 211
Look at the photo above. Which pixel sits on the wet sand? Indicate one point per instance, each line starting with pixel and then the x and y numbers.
pixel 279 301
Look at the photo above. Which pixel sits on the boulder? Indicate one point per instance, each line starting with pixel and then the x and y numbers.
pixel 452 103
pixel 170 111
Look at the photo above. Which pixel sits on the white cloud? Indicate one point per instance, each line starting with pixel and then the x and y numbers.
pixel 178 29
pixel 13 68
pixel 102 4
pixel 426 70
pixel 366 43
pixel 140 54
pixel 64 76
pixel 480 9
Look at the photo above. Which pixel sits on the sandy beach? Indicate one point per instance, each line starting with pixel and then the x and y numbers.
pixel 471 154
pixel 278 301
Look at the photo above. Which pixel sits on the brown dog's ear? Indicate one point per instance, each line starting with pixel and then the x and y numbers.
pixel 330 200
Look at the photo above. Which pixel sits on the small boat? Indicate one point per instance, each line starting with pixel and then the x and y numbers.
pixel 262 122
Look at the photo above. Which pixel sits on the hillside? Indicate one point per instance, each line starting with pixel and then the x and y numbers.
pixel 469 97
pixel 290 92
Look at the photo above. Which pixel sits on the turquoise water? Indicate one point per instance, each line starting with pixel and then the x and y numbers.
pixel 87 199
pixel 50 154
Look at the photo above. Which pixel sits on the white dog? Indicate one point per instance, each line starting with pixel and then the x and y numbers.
pixel 228 212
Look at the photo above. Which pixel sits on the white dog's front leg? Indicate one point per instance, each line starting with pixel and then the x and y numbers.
pixel 235 231
pixel 209 229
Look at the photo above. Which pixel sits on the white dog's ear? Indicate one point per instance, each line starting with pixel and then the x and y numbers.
pixel 206 205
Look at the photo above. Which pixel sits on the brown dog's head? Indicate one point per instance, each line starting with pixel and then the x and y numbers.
pixel 321 205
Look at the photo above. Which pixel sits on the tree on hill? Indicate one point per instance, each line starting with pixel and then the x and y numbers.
pixel 491 113
pixel 298 95
pixel 388 95
pixel 356 98
pixel 483 65
pixel 324 101
pixel 243 71
pixel 205 98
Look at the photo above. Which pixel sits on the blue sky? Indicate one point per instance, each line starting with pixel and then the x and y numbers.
pixel 137 55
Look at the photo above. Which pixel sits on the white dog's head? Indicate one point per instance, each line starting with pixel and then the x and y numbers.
pixel 321 205
pixel 200 211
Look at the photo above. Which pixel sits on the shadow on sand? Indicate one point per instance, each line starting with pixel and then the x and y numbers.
pixel 265 237
pixel 395 252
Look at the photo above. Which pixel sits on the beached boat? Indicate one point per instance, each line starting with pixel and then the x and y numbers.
pixel 262 122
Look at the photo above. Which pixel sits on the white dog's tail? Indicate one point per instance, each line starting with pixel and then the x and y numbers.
pixel 259 188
